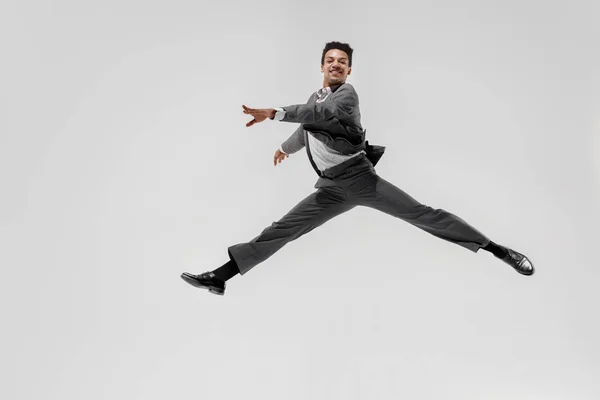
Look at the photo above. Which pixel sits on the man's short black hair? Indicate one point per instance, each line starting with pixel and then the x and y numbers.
pixel 338 46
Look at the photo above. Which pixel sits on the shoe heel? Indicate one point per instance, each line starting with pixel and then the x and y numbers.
pixel 217 291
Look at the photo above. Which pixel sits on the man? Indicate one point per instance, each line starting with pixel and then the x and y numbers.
pixel 331 131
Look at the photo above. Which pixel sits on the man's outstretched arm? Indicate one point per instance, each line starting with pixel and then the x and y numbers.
pixel 342 106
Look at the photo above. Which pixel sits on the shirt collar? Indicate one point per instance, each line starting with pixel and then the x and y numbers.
pixel 329 89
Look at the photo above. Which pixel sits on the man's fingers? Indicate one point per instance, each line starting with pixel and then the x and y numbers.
pixel 251 123
pixel 279 157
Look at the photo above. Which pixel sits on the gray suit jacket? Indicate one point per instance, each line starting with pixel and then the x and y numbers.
pixel 335 121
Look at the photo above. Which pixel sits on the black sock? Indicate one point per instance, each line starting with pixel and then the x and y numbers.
pixel 495 249
pixel 227 271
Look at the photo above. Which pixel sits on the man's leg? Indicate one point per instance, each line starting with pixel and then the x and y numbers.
pixel 386 197
pixel 313 211
pixel 316 209
pixel 375 192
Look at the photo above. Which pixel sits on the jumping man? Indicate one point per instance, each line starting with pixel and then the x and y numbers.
pixel 331 131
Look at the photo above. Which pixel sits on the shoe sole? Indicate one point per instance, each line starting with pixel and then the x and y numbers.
pixel 187 278
pixel 526 273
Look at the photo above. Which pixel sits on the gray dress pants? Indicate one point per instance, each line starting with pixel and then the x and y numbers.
pixel 358 185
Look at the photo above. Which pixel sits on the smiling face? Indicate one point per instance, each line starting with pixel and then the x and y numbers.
pixel 335 67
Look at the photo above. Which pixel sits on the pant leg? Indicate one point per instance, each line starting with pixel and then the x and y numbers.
pixel 316 209
pixel 373 191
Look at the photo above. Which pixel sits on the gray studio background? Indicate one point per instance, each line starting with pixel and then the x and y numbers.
pixel 125 160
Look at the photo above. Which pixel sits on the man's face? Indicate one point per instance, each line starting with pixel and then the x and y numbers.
pixel 335 67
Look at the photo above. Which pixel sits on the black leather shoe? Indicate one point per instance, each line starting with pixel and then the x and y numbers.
pixel 207 280
pixel 518 261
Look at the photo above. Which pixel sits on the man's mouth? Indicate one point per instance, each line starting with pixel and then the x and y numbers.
pixel 336 72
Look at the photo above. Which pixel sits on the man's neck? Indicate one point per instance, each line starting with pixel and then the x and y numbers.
pixel 327 84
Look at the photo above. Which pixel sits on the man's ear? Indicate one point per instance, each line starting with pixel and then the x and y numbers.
pixel 321 67
pixel 349 70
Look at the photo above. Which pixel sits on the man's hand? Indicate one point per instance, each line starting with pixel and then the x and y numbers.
pixel 279 157
pixel 259 114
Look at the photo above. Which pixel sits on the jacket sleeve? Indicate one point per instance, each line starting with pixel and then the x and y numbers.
pixel 295 142
pixel 342 105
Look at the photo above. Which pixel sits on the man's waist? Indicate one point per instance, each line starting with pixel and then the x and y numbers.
pixel 337 170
